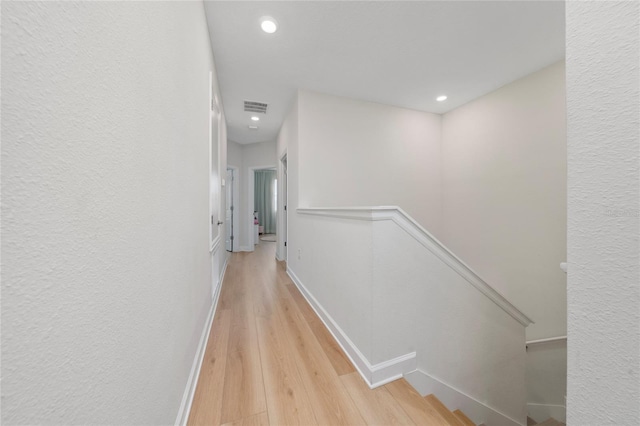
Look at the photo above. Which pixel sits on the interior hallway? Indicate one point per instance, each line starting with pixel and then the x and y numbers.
pixel 270 360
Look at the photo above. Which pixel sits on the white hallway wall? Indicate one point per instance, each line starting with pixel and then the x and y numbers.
pixel 603 101
pixel 355 153
pixel 245 157
pixel 106 271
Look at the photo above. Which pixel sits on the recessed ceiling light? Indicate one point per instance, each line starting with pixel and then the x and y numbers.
pixel 268 24
pixel 441 98
pixel 253 127
pixel 255 118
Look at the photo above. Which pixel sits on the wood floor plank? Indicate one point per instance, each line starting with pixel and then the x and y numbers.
pixel 243 387
pixel 415 406
pixel 341 364
pixel 334 352
pixel 466 421
pixel 376 406
pixel 329 398
pixel 243 337
pixel 257 420
pixel 443 410
pixel 287 400
pixel 305 308
pixel 207 399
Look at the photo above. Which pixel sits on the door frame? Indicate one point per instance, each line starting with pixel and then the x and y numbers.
pixel 282 230
pixel 235 194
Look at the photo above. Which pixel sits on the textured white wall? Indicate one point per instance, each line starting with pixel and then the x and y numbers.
pixel 603 101
pixel 105 252
pixel 504 193
pixel 356 153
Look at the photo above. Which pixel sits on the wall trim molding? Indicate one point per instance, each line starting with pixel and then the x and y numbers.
pixel 426 239
pixel 454 399
pixel 373 374
pixel 215 243
pixel 194 375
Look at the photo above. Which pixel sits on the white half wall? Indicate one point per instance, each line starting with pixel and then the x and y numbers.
pixel 391 293
pixel 106 270
pixel 603 102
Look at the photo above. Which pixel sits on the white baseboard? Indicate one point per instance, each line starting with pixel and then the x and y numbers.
pixel 541 412
pixel 192 382
pixel 222 273
pixel 453 399
pixel 374 375
pixel 244 248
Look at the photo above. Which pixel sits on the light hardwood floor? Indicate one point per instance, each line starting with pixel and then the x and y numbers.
pixel 271 361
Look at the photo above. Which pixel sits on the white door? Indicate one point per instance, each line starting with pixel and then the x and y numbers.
pixel 214 172
pixel 214 186
pixel 229 212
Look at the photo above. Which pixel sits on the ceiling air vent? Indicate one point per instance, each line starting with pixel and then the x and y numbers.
pixel 252 106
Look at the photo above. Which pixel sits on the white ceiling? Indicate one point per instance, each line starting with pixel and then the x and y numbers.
pixel 397 53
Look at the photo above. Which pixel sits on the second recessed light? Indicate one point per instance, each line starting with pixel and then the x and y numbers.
pixel 255 118
pixel 268 25
pixel 441 98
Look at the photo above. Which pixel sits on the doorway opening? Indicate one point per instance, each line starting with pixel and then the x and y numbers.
pixel 263 199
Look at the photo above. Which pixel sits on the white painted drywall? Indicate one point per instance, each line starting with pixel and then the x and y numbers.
pixel 355 153
pixel 504 193
pixel 603 103
pixel 106 271
pixel 234 154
